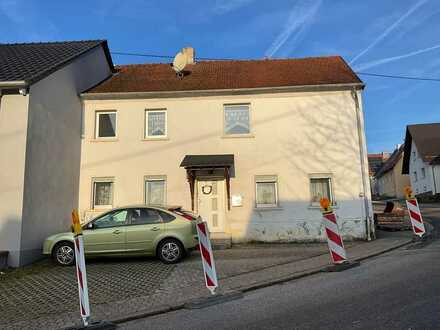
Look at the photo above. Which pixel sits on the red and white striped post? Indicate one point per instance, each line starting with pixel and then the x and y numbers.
pixel 207 257
pixel 334 238
pixel 81 269
pixel 414 213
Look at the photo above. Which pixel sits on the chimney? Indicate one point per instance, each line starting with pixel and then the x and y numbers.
pixel 189 52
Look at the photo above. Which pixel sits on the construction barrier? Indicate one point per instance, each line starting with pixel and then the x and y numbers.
pixel 334 238
pixel 414 213
pixel 207 257
pixel 81 269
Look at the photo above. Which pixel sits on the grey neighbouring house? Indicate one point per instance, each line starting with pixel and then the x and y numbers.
pixel 422 159
pixel 40 137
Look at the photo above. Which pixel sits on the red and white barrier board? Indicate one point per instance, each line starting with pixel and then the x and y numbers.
pixel 81 269
pixel 334 238
pixel 414 213
pixel 207 257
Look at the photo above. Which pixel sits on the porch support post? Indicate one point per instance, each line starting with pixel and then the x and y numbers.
pixel 191 180
pixel 228 187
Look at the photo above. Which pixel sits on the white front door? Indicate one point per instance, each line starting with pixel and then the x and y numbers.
pixel 211 203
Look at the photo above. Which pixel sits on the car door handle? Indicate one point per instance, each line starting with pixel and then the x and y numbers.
pixel 117 231
pixel 155 229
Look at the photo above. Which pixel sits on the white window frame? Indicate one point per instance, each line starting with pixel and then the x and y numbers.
pixel 149 178
pixel 225 106
pixel 105 112
pixel 322 176
pixel 102 180
pixel 148 111
pixel 266 179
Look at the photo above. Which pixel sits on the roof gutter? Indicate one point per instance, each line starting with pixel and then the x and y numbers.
pixel 211 92
pixel 13 84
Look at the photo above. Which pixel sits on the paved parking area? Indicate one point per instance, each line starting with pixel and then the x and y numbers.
pixel 45 289
pixel 44 296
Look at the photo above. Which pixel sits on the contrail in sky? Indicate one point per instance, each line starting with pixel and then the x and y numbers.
pixel 368 65
pixel 389 29
pixel 299 20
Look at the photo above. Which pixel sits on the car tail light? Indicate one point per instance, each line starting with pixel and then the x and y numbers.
pixel 186 214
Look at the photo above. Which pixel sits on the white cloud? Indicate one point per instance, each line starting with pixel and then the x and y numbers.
pixel 225 6
pixel 297 24
pixel 368 65
pixel 389 29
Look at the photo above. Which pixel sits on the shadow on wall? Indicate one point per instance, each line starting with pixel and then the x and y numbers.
pixel 10 234
pixel 331 146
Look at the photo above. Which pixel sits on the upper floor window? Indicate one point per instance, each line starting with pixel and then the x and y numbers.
pixel 236 119
pixel 155 123
pixel 105 124
pixel 414 155
pixel 423 174
pixel 415 176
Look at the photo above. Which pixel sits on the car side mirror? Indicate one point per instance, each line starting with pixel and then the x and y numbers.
pixel 90 225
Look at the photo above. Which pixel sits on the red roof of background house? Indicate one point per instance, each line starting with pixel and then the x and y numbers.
pixel 236 74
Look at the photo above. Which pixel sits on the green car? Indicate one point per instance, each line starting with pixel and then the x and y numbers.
pixel 166 232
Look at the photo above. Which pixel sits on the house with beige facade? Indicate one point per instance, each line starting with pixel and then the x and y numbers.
pixel 389 179
pixel 250 145
pixel 422 159
pixel 40 138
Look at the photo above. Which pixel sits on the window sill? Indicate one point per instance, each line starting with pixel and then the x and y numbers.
pixel 238 136
pixel 317 207
pixel 272 208
pixel 104 140
pixel 161 138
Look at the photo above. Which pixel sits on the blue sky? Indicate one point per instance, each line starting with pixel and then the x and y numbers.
pixel 378 36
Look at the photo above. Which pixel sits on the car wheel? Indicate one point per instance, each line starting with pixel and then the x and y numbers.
pixel 64 254
pixel 170 251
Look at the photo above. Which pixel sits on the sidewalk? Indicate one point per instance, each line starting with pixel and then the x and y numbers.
pixel 242 268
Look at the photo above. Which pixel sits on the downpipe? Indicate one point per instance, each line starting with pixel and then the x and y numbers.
pixel 363 164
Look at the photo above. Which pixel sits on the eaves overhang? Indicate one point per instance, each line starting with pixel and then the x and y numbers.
pixel 216 92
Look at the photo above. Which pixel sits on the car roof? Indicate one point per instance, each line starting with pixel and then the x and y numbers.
pixel 160 207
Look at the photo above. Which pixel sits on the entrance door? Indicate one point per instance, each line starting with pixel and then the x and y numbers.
pixel 211 203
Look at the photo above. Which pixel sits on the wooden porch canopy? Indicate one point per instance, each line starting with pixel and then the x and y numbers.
pixel 192 163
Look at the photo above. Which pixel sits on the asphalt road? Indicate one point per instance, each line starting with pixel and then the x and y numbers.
pixel 397 290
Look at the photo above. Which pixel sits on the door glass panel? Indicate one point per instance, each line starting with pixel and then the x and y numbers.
pixel 113 219
pixel 214 220
pixel 214 204
pixel 144 216
pixel 214 187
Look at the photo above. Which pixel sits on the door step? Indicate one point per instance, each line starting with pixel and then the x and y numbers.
pixel 221 243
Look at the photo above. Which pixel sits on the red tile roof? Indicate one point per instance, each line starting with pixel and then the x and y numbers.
pixel 237 74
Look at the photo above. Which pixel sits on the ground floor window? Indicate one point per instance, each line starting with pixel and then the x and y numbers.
pixel 266 191
pixel 320 187
pixel 102 193
pixel 155 190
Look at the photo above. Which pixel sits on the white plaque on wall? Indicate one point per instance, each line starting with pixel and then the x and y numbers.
pixel 237 200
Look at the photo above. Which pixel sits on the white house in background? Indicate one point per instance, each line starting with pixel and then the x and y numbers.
pixel 40 138
pixel 250 145
pixel 422 159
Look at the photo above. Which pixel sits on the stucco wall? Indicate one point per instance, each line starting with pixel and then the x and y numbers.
pixel 293 135
pixel 54 149
pixel 422 185
pixel 393 183
pixel 13 128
